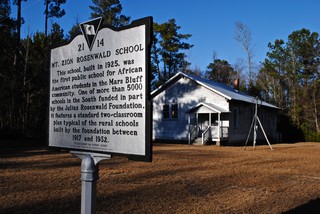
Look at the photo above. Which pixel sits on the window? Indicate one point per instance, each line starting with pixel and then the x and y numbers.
pixel 165 111
pixel 174 111
pixel 170 111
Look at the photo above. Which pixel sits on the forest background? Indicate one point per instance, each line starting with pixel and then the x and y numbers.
pixel 288 77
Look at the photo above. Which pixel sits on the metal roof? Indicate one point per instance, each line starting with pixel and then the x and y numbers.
pixel 226 91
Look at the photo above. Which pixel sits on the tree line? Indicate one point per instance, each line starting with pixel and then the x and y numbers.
pixel 288 77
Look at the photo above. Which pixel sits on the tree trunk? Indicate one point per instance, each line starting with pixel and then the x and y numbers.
pixel 19 23
pixel 46 17
pixel 315 111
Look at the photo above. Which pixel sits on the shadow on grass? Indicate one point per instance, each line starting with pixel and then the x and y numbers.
pixel 312 207
pixel 62 205
pixel 26 147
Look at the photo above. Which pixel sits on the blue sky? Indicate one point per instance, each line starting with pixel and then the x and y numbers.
pixel 211 22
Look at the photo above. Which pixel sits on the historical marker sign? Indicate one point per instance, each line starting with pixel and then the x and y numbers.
pixel 99 91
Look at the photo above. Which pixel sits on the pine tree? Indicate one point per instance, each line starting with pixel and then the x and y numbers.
pixel 110 11
pixel 168 50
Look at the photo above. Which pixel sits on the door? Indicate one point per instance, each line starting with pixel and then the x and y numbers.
pixel 203 122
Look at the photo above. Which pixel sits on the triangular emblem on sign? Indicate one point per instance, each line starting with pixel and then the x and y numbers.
pixel 90 30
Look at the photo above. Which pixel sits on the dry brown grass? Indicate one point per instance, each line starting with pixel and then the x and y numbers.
pixel 181 179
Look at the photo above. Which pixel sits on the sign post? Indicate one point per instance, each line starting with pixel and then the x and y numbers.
pixel 89 177
pixel 100 97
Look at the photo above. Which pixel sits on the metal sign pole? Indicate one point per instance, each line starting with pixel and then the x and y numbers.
pixel 255 128
pixel 89 177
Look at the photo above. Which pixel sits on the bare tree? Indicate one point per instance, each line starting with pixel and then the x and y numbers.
pixel 239 67
pixel 243 35
pixel 214 55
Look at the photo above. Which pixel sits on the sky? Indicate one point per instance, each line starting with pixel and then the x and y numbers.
pixel 211 22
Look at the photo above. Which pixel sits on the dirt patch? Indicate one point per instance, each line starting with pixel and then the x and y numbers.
pixel 181 179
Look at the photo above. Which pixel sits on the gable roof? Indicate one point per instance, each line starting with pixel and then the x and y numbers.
pixel 226 91
pixel 210 106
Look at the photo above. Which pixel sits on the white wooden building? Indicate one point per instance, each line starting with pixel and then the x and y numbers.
pixel 193 109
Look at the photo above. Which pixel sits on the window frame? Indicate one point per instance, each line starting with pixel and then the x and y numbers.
pixel 166 111
pixel 170 111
